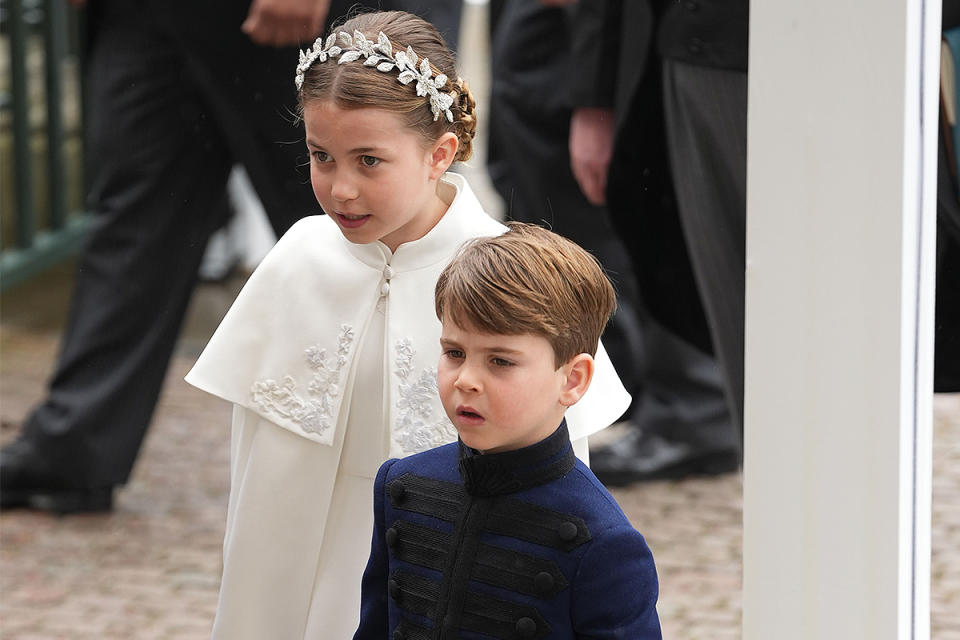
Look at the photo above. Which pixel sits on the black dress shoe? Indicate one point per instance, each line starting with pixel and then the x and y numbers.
pixel 639 456
pixel 29 481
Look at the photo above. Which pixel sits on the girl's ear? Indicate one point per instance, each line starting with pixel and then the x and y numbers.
pixel 442 153
pixel 579 373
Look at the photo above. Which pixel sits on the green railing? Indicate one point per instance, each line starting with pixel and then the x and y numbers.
pixel 41 124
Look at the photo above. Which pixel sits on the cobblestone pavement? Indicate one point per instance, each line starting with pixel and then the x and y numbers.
pixel 151 568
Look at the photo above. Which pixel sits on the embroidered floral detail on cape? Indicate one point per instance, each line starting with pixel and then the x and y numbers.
pixel 314 414
pixel 417 428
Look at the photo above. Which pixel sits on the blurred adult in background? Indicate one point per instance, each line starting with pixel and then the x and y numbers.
pixel 528 160
pixel 947 326
pixel 178 93
pixel 658 132
pixel 680 423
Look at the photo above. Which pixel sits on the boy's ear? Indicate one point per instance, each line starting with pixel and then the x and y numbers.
pixel 579 373
pixel 443 152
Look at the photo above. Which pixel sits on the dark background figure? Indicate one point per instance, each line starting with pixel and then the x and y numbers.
pixel 528 161
pixel 947 327
pixel 178 92
pixel 679 423
pixel 664 83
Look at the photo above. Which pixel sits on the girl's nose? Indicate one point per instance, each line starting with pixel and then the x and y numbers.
pixel 343 187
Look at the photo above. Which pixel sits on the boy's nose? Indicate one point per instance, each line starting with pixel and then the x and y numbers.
pixel 466 380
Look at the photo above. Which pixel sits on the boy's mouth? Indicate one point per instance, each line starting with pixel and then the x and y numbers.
pixel 468 413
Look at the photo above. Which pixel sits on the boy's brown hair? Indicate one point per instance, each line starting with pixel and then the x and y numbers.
pixel 528 280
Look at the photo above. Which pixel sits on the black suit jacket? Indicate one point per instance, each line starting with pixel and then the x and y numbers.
pixel 614 42
pixel 619 46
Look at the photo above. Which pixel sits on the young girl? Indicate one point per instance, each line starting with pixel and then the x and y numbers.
pixel 329 354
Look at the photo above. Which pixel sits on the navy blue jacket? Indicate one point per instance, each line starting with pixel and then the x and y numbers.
pixel 521 544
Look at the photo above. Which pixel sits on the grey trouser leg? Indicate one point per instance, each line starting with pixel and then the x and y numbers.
pixel 706 112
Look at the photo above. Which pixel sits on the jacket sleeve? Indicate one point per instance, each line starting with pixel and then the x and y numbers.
pixel 374 619
pixel 619 566
pixel 595 47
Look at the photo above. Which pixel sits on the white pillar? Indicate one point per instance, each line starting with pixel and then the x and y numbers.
pixel 839 317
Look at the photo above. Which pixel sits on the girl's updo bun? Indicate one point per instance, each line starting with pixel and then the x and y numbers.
pixel 353 85
pixel 464 119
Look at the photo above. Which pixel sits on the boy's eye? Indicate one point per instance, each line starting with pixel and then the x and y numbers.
pixel 369 161
pixel 500 362
pixel 453 353
pixel 321 156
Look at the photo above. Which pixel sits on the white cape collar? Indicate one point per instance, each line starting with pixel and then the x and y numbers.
pixel 286 348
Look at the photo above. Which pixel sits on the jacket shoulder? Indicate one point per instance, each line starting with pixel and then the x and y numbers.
pixel 432 462
pixel 599 505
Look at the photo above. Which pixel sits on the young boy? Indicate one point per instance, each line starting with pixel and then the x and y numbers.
pixel 506 534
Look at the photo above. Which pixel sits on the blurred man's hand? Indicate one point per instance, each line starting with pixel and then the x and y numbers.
pixel 285 22
pixel 591 149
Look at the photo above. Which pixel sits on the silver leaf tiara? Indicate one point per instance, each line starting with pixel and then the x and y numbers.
pixel 380 54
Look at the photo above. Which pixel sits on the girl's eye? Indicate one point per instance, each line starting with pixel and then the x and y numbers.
pixel 500 362
pixel 369 161
pixel 321 156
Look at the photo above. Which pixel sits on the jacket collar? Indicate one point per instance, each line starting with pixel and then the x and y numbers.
pixel 432 247
pixel 496 474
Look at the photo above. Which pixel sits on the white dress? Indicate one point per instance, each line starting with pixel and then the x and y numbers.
pixel 329 356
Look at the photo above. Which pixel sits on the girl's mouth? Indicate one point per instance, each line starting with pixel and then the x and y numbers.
pixel 351 221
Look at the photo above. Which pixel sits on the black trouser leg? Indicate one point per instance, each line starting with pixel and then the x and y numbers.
pixel 159 173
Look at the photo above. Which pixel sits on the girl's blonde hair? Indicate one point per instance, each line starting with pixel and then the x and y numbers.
pixel 353 85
